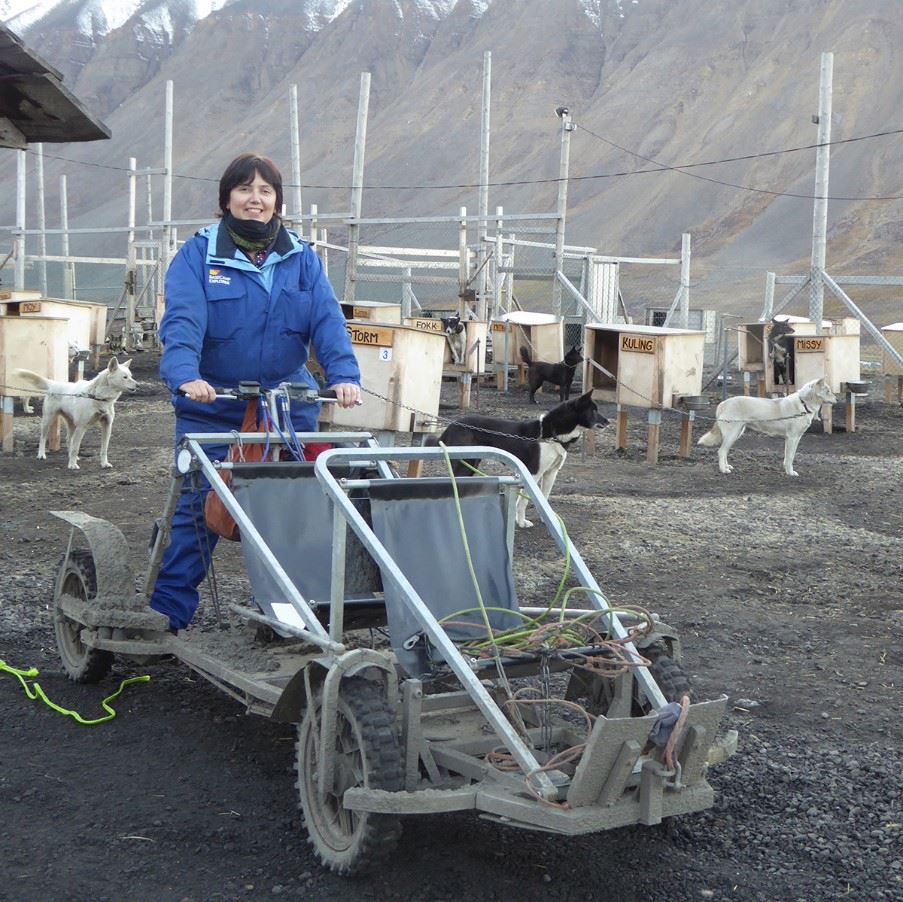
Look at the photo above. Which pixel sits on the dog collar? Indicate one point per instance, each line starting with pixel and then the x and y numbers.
pixel 805 406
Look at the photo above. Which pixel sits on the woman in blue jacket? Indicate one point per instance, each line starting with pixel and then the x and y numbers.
pixel 244 297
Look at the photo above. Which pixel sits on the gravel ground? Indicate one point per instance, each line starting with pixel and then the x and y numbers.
pixel 786 592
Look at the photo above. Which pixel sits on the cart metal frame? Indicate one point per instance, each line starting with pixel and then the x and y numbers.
pixel 443 738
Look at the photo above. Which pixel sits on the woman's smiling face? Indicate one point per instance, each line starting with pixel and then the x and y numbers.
pixel 253 200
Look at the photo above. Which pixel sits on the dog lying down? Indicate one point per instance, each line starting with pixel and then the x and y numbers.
pixel 541 444
pixel 789 416
pixel 80 404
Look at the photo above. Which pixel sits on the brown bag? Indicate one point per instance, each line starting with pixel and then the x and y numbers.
pixel 219 520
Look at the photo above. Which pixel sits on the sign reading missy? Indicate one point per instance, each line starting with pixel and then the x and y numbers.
pixel 804 345
pixel 639 344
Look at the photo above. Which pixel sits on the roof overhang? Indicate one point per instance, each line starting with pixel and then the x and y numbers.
pixel 34 105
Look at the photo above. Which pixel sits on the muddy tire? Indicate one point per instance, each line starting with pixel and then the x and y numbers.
pixel 367 754
pixel 82 663
pixel 667 673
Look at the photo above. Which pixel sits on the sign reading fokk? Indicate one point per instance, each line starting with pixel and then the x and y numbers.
pixel 29 307
pixel 375 336
pixel 499 327
pixel 804 345
pixel 639 344
pixel 360 313
pixel 428 325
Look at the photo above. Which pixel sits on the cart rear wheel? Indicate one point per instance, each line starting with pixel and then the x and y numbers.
pixel 82 663
pixel 367 753
pixel 667 673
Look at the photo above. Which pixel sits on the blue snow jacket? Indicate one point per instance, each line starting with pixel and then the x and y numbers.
pixel 226 320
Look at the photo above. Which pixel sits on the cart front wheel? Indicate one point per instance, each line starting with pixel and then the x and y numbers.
pixel 82 663
pixel 367 753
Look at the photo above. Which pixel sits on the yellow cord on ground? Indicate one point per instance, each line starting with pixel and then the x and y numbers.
pixel 35 692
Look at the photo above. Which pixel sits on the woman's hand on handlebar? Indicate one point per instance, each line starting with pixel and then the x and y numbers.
pixel 347 394
pixel 198 390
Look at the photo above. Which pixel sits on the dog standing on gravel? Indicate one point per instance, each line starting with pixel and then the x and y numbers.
pixel 541 444
pixel 81 404
pixel 560 374
pixel 789 417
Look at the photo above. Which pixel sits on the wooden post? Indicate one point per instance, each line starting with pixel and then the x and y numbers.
pixel 464 383
pixel 589 442
pixel 357 187
pixel 621 428
pixel 747 378
pixel 686 433
pixel 761 386
pixel 851 412
pixel 653 435
pixel 53 436
pixel 889 396
pixel 827 418
pixel 6 425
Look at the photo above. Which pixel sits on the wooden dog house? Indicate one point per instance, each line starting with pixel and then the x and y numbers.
pixel 372 311
pixel 889 367
pixel 832 352
pixel 650 367
pixel 37 343
pixel 475 334
pixel 402 367
pixel 541 333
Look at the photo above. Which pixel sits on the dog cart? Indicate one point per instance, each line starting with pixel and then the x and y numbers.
pixel 565 716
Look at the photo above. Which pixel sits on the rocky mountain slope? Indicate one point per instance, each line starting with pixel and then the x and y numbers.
pixel 651 84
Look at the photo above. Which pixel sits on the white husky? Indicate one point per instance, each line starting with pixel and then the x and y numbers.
pixel 789 416
pixel 79 404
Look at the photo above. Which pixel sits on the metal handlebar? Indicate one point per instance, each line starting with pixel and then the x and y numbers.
pixel 294 391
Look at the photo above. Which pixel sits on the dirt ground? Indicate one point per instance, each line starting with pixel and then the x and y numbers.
pixel 788 595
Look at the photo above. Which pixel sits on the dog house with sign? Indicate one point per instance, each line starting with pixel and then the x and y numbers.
pixel 401 371
pixel 832 352
pixel 474 349
pixel 889 366
pixel 649 367
pixel 541 333
pixel 37 343
pixel 372 311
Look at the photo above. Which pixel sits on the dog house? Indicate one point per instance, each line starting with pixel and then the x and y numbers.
pixel 87 321
pixel 372 311
pixel 650 367
pixel 541 333
pixel 832 352
pixel 401 368
pixel 889 366
pixel 475 347
pixel 37 343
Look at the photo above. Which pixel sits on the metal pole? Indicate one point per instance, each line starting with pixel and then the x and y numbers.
pixel 462 252
pixel 685 280
pixel 296 154
pixel 19 272
pixel 357 187
pixel 42 217
pixel 483 210
pixel 566 129
pixel 499 250
pixel 68 268
pixel 167 249
pixel 131 266
pixel 768 312
pixel 820 213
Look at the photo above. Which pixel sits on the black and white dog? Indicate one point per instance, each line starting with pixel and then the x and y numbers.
pixel 780 337
pixel 541 444
pixel 456 336
pixel 560 374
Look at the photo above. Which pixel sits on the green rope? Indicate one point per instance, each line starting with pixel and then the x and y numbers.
pixel 35 692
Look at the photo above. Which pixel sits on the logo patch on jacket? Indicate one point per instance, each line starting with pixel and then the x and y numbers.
pixel 216 277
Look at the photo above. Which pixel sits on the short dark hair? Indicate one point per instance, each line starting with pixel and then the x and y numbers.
pixel 241 171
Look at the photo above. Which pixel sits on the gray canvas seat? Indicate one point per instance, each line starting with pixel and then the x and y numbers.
pixel 417 521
